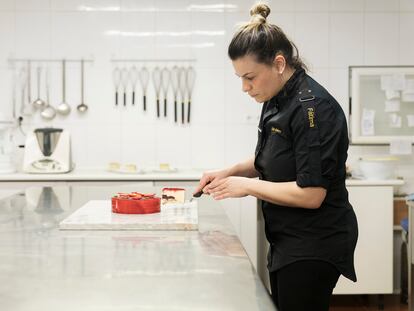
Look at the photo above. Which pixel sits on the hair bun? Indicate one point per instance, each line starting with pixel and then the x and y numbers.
pixel 260 9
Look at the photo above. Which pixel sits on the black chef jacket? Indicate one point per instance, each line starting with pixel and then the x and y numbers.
pixel 303 137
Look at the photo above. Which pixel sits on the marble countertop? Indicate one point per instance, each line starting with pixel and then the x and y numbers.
pixel 44 268
pixel 96 174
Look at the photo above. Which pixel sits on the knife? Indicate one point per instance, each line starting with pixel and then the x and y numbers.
pixel 198 194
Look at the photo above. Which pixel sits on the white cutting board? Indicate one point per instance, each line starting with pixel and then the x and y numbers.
pixel 97 215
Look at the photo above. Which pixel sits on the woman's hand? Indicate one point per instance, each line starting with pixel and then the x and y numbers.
pixel 229 187
pixel 211 177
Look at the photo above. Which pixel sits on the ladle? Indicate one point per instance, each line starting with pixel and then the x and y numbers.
pixel 38 103
pixel 63 108
pixel 48 112
pixel 82 107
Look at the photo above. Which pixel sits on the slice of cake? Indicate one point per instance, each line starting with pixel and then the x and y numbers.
pixel 173 195
pixel 130 168
pixel 114 166
pixel 164 167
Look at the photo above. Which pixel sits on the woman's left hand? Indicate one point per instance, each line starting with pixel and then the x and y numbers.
pixel 230 187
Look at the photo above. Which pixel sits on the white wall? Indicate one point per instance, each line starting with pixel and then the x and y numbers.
pixel 330 34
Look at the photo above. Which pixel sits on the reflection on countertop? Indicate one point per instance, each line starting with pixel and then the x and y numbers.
pixel 45 268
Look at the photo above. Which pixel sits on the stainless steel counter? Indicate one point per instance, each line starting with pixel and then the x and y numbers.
pixel 43 268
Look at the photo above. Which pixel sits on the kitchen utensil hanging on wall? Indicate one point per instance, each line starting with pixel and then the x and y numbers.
pixel 144 78
pixel 116 76
pixel 25 110
pixel 48 112
pixel 82 107
pixel 182 88
pixel 38 103
pixel 190 79
pixel 134 79
pixel 124 82
pixel 63 108
pixel 156 79
pixel 165 81
pixel 29 82
pixel 14 91
pixel 175 73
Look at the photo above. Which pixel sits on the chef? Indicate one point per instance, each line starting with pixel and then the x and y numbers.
pixel 300 161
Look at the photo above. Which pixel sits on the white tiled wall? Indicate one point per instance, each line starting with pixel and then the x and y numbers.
pixel 331 35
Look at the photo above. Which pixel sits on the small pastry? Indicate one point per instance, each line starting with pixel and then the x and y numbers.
pixel 173 195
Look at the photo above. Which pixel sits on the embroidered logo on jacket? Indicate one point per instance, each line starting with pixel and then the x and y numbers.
pixel 311 117
pixel 276 130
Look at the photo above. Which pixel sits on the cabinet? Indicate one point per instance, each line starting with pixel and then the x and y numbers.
pixel 373 206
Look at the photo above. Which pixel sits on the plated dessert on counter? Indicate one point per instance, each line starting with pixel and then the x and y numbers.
pixel 146 203
pixel 135 203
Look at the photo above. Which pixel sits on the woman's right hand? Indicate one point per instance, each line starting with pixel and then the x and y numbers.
pixel 210 178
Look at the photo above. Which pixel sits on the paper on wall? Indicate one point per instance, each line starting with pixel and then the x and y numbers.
pixel 395 82
pixel 410 120
pixel 408 92
pixel 391 94
pixel 401 146
pixel 392 105
pixel 409 86
pixel 407 97
pixel 367 122
pixel 395 120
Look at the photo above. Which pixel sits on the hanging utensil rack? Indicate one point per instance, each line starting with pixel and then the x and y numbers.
pixel 150 64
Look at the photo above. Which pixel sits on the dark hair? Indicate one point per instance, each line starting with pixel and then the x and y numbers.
pixel 263 40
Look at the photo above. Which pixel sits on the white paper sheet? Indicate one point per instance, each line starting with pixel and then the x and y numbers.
pixel 408 92
pixel 367 122
pixel 401 146
pixel 395 82
pixel 395 120
pixel 392 105
pixel 408 97
pixel 410 120
pixel 409 86
pixel 391 94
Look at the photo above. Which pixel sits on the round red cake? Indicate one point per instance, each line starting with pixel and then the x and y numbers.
pixel 135 203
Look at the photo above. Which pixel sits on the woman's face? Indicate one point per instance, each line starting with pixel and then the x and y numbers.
pixel 260 81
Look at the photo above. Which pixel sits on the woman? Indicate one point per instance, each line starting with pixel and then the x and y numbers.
pixel 300 161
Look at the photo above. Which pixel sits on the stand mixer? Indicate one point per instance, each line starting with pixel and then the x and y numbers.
pixel 47 151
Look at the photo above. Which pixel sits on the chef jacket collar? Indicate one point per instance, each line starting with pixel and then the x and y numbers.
pixel 290 86
pixel 287 92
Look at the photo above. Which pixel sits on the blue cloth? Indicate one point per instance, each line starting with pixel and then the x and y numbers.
pixel 404 224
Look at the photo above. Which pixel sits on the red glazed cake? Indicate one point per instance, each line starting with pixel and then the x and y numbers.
pixel 135 203
pixel 173 195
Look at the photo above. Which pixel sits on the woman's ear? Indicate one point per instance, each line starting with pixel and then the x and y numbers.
pixel 280 63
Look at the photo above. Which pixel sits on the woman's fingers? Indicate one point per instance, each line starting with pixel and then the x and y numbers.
pixel 215 185
pixel 220 195
pixel 202 184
